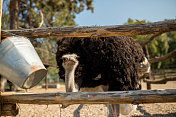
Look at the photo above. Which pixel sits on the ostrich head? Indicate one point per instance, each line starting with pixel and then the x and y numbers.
pixel 70 63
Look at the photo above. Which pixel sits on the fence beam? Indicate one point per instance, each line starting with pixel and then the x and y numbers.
pixel 118 97
pixel 163 58
pixel 100 31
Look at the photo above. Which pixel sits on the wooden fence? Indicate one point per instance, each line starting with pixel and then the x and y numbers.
pixel 8 101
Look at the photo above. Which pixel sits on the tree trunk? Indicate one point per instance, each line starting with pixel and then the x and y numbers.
pixel 13 14
pixel 14 9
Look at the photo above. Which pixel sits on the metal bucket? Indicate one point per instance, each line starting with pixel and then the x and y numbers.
pixel 20 63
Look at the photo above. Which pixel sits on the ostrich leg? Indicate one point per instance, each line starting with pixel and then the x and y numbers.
pixel 115 110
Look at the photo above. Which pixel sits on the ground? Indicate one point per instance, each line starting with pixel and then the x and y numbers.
pixel 143 110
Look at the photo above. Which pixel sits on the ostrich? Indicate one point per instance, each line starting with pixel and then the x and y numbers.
pixel 102 64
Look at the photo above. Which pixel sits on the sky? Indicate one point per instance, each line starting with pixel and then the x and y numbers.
pixel 117 12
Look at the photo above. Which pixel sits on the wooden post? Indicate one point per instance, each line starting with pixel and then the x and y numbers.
pixel 5 108
pixel 1 5
pixel 46 82
pixel 149 77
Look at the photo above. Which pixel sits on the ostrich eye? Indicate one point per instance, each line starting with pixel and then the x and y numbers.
pixel 64 59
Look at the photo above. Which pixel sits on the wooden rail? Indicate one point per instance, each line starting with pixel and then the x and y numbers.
pixel 163 58
pixel 160 80
pixel 100 31
pixel 118 97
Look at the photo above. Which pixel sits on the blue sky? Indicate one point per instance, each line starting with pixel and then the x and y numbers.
pixel 117 12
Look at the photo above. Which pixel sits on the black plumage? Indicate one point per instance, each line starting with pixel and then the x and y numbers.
pixel 115 58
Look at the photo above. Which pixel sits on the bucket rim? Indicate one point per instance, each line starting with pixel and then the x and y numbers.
pixel 44 71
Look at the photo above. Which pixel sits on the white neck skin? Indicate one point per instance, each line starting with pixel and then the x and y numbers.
pixel 70 80
pixel 70 64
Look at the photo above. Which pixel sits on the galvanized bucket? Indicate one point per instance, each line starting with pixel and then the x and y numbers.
pixel 20 63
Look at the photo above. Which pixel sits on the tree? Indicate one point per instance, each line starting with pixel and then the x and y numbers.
pixel 56 13
pixel 172 46
pixel 159 46
pixel 43 13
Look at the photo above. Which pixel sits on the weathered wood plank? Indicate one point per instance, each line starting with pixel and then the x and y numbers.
pixel 134 97
pixel 101 31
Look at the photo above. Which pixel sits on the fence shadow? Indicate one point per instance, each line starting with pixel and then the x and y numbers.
pixel 77 111
pixel 110 110
pixel 146 114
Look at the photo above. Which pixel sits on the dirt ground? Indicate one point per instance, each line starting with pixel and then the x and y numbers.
pixel 143 110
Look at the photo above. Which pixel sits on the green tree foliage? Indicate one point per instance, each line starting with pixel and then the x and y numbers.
pixel 172 45
pixel 5 16
pixel 56 13
pixel 160 46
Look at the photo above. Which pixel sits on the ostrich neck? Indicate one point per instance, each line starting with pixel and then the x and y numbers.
pixel 70 81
